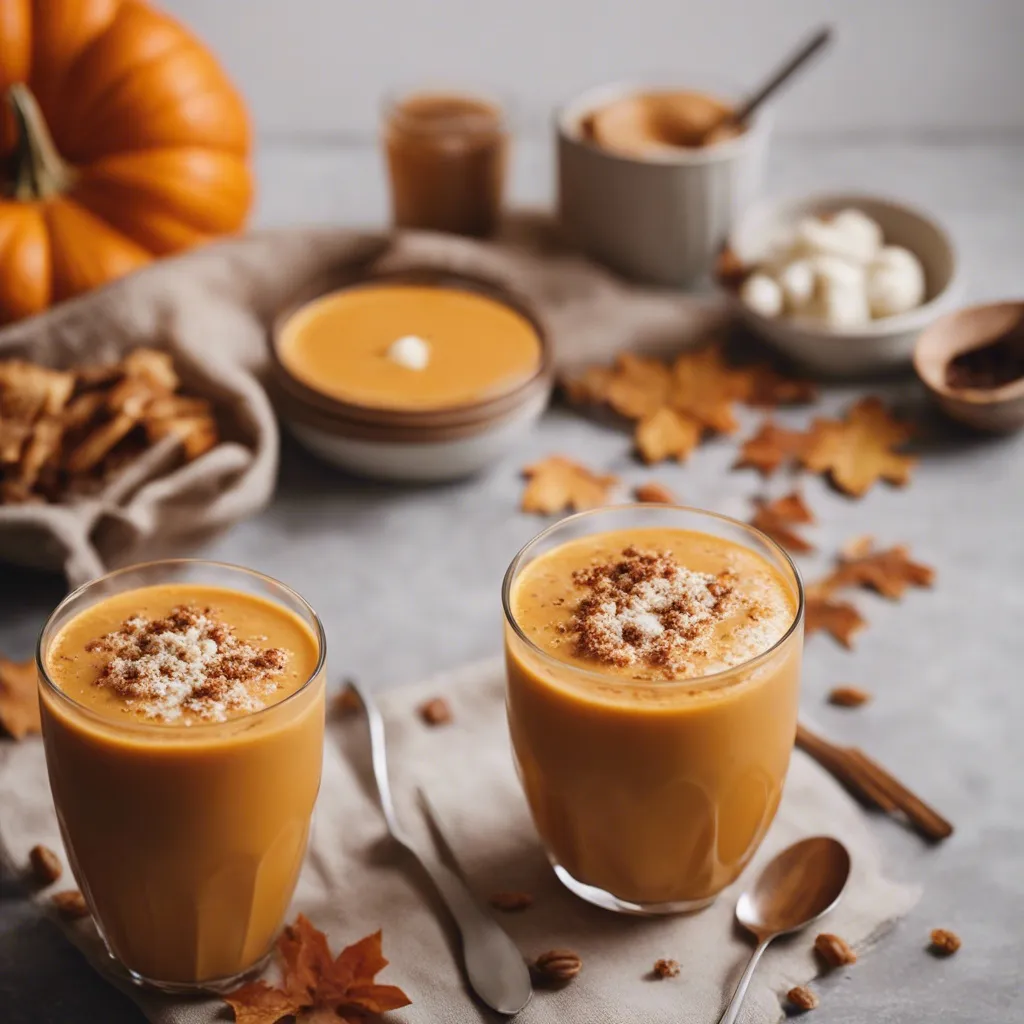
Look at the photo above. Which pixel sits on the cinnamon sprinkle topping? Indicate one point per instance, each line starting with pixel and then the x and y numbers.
pixel 646 608
pixel 189 662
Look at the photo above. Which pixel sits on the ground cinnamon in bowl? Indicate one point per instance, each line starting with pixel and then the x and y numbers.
pixel 993 365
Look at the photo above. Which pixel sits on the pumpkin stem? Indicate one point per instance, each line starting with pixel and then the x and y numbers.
pixel 39 170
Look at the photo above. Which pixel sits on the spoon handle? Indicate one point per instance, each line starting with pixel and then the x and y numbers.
pixel 732 1011
pixel 783 74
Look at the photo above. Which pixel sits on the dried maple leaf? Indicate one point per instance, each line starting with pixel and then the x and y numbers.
pixel 839 618
pixel 704 387
pixel 889 572
pixel 667 434
pixel 770 447
pixel 638 386
pixel 590 387
pixel 770 388
pixel 858 451
pixel 316 987
pixel 557 483
pixel 19 700
pixel 776 518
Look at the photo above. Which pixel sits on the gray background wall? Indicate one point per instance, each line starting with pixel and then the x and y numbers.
pixel 314 70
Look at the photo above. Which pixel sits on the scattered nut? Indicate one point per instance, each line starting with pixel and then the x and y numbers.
pixel 836 952
pixel 802 998
pixel 346 701
pixel 45 864
pixel 654 493
pixel 848 696
pixel 558 965
pixel 70 904
pixel 666 968
pixel 944 942
pixel 436 711
pixel 510 901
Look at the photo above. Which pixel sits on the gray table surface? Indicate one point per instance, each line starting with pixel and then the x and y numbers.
pixel 944 664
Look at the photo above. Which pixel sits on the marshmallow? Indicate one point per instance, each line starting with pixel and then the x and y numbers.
pixel 895 282
pixel 762 294
pixel 850 235
pixel 840 298
pixel 797 282
pixel 410 351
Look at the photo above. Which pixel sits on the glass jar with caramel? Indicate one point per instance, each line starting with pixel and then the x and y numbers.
pixel 446 154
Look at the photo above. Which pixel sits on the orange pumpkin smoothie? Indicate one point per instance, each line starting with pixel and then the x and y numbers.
pixel 409 347
pixel 183 717
pixel 653 673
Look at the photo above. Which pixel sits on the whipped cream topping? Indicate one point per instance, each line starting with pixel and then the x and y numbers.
pixel 410 351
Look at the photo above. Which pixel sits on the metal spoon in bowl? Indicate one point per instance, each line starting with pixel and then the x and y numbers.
pixel 800 885
pixel 779 77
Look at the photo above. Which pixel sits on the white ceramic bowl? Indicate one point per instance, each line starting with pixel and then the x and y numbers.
pixel 427 460
pixel 879 346
pixel 659 220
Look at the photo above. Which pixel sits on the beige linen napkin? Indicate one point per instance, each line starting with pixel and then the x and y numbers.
pixel 211 308
pixel 354 881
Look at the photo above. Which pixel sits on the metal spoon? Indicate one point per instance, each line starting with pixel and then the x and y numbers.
pixel 495 968
pixel 801 884
pixel 779 77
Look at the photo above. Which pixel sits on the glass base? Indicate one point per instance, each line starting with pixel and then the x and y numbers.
pixel 197 988
pixel 605 900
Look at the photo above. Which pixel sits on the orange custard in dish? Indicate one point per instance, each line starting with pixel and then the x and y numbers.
pixel 651 728
pixel 183 726
pixel 409 347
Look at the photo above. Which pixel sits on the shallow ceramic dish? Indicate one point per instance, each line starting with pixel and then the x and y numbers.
pixel 403 444
pixel 877 347
pixel 1000 409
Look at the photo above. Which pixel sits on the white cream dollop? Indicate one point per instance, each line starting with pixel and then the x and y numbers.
pixel 762 294
pixel 895 282
pixel 410 351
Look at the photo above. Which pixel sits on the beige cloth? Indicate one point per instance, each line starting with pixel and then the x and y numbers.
pixel 354 882
pixel 212 308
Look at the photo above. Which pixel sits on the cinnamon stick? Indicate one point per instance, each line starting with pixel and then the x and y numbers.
pixel 869 780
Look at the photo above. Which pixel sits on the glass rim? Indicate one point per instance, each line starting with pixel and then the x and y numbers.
pixel 500 117
pixel 196 728
pixel 712 680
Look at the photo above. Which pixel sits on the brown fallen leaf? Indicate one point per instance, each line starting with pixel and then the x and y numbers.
pixel 638 387
pixel 769 389
pixel 859 450
pixel 19 700
pixel 704 387
pixel 770 447
pixel 316 987
pixel 889 572
pixel 776 518
pixel 557 483
pixel 839 618
pixel 667 434
pixel 653 493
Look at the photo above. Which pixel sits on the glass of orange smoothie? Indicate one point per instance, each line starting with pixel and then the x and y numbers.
pixel 183 717
pixel 653 658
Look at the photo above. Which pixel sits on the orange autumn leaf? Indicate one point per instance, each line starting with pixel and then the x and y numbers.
pixel 889 572
pixel 667 434
pixel 590 387
pixel 317 987
pixel 705 386
pixel 776 518
pixel 859 450
pixel 638 386
pixel 839 618
pixel 557 483
pixel 770 447
pixel 19 700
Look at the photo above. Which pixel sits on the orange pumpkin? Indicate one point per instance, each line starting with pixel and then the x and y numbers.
pixel 122 139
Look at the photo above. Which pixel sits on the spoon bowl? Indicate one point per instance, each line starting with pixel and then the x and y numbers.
pixel 803 883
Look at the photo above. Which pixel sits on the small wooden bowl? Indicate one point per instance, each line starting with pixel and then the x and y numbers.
pixel 999 410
